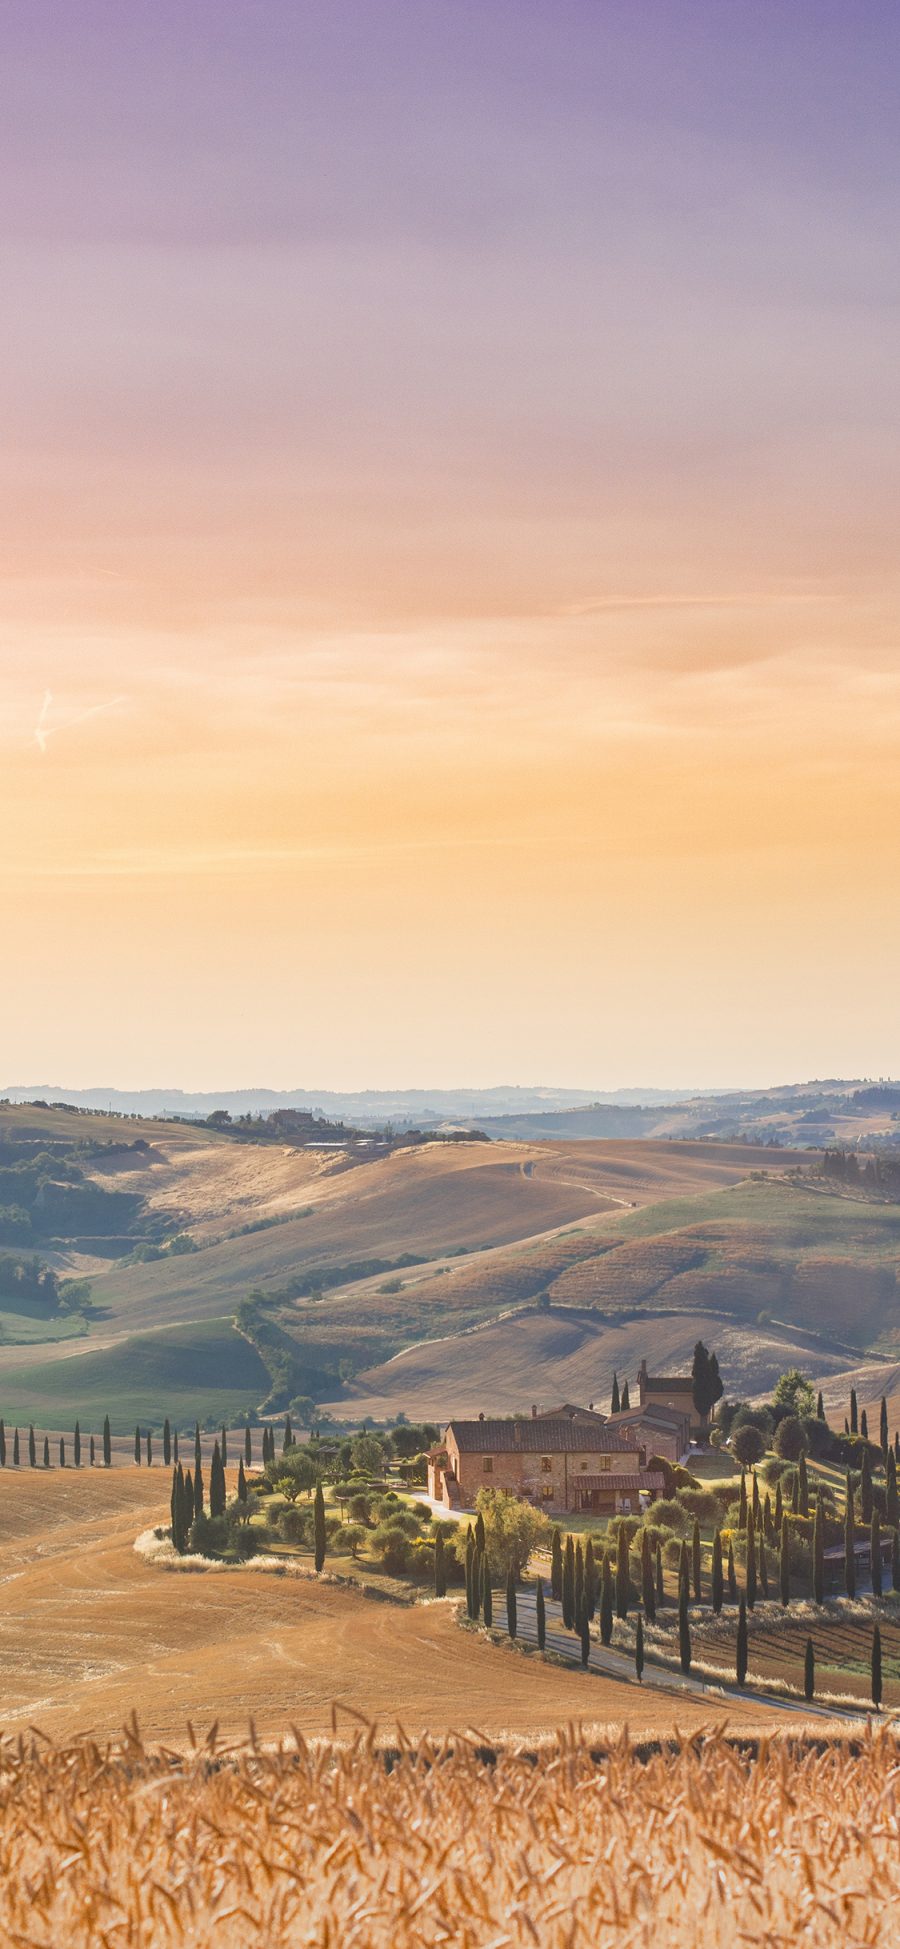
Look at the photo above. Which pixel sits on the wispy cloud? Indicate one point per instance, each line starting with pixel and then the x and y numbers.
pixel 44 730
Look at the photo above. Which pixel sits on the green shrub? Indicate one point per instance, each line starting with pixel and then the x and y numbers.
pixel 669 1514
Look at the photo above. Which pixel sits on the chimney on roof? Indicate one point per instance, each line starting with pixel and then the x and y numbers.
pixel 534 1410
pixel 481 1417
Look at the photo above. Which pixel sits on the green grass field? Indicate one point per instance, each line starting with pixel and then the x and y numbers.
pixel 183 1371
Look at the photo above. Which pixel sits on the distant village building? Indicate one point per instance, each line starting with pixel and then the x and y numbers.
pixel 572 1460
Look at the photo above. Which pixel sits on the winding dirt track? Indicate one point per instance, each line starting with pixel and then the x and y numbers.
pixel 90 1632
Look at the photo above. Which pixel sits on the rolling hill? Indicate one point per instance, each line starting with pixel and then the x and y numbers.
pixel 379 1282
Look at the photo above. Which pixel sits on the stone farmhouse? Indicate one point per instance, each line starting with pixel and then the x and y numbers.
pixel 569 1461
pixel 674 1392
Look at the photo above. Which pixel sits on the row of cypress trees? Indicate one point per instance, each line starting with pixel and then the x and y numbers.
pixel 10 1451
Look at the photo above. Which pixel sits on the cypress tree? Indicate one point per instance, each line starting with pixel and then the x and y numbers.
pixel 606 1602
pixel 660 1580
pixel 741 1651
pixel 622 1577
pixel 248 1446
pixel 891 1499
pixel 579 1581
pixel 76 1444
pixel 590 1578
pixel 167 1442
pixel 107 1443
pixel 540 1615
pixel 883 1435
pixel 556 1566
pixel 288 1435
pixel 137 1446
pixel 198 1490
pixel 742 1501
pixel 175 1446
pixel 172 1500
pixel 242 1491
pixel 319 1528
pixel 779 1508
pixel 648 1595
pixel 626 1403
pixel 216 1483
pixel 32 1455
pixel 440 1567
pixel 895 1561
pixel 695 1562
pixel 639 1649
pixel 470 1572
pixel 854 1414
pixel 795 1494
pixel 849 1540
pixel 809 1671
pixel 480 1536
pixel 732 1578
pixel 223 1447
pixel 16 1448
pixel 865 1488
pixel 718 1585
pixel 846 1426
pixel 189 1499
pixel 897 1446
pixel 487 1595
pixel 684 1571
pixel 615 1403
pixel 2 1445
pixel 763 1567
pixel 684 1631
pixel 149 1449
pixel 198 1452
pixel 803 1497
pixel 757 1511
pixel 62 1452
pixel 750 1576
pixel 864 1425
pixel 784 1566
pixel 820 1407
pixel 568 1586
pixel 585 1634
pixel 46 1451
pixel 876 1668
pixel 819 1554
pixel 875 1555
pixel 93 1452
pixel 767 1515
pixel 511 1618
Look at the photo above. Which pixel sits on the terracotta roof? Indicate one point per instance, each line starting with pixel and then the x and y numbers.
pixel 546 1436
pixel 645 1479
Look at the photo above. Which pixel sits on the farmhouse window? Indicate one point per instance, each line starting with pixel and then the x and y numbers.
pixel 547 1491
pixel 488 1464
pixel 584 1468
pixel 605 1462
pixel 546 1465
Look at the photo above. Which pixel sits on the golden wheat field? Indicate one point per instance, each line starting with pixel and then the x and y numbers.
pixel 565 1846
pixel 91 1631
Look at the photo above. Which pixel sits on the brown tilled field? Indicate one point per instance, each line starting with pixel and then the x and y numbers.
pixel 556 1356
pixel 843 1650
pixel 566 1847
pixel 90 1632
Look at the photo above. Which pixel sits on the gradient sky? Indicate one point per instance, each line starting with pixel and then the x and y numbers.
pixel 449 513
